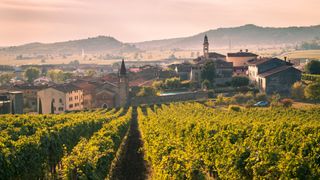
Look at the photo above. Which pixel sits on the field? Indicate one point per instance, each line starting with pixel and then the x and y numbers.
pixel 175 141
pixel 307 54
pixel 151 55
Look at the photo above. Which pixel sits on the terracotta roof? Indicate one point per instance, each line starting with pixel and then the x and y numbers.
pixel 85 86
pixel 264 60
pixel 66 87
pixel 113 78
pixel 242 54
pixel 223 64
pixel 259 61
pixel 219 63
pixel 29 86
pixel 276 70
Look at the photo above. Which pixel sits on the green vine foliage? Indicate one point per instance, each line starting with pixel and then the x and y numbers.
pixel 32 146
pixel 192 141
pixel 91 158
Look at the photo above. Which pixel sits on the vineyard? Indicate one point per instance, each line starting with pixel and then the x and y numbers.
pixel 66 146
pixel 175 141
pixel 191 141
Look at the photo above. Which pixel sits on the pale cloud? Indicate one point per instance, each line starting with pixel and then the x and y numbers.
pixel 24 21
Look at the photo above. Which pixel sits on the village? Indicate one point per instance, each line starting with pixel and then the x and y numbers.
pixel 54 89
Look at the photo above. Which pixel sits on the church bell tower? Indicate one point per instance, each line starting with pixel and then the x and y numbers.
pixel 123 85
pixel 206 47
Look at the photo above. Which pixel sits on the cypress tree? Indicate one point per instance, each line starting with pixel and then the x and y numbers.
pixel 52 108
pixel 40 106
pixel 12 107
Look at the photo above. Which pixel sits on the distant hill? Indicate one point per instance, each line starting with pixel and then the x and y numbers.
pixel 91 45
pixel 246 35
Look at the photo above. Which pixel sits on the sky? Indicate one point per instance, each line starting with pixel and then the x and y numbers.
pixel 25 21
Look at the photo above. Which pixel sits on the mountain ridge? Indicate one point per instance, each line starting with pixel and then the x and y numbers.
pixel 246 35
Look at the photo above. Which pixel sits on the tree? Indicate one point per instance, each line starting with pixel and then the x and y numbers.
pixel 146 91
pixel 286 102
pixel 261 97
pixel 59 76
pixel 313 67
pixel 297 90
pixel 312 91
pixel 275 99
pixel 40 106
pixel 74 63
pixel 91 73
pixel 52 107
pixel 158 85
pixel 13 111
pixel 32 73
pixel 5 78
pixel 206 84
pixel 172 83
pixel 209 72
pixel 238 81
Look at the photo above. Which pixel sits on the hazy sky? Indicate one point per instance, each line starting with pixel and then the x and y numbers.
pixel 23 21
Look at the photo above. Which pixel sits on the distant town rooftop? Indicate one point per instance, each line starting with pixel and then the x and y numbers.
pixel 277 70
pixel 264 60
pixel 66 87
pixel 242 54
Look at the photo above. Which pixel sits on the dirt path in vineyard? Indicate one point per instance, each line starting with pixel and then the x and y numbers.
pixel 132 165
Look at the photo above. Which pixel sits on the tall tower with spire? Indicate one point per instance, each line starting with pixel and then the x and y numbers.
pixel 206 47
pixel 123 85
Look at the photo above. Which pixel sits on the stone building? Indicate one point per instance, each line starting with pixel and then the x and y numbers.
pixel 30 100
pixel 60 98
pixel 224 69
pixel 273 75
pixel 240 61
pixel 11 102
pixel 182 70
pixel 98 93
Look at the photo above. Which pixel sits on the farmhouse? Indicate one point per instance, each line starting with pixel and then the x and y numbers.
pixel 60 98
pixel 240 61
pixel 273 75
pixel 11 102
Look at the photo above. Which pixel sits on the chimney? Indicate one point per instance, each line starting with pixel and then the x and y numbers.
pixel 240 50
pixel 247 50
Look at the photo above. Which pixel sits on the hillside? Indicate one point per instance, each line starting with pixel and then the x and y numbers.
pixel 247 35
pixel 90 45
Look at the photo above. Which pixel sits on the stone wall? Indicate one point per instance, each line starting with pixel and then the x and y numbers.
pixel 201 95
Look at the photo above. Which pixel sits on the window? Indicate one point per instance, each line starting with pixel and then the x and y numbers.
pixel 53 100
pixel 60 100
pixel 71 106
pixel 60 108
pixel 70 98
pixel 76 104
